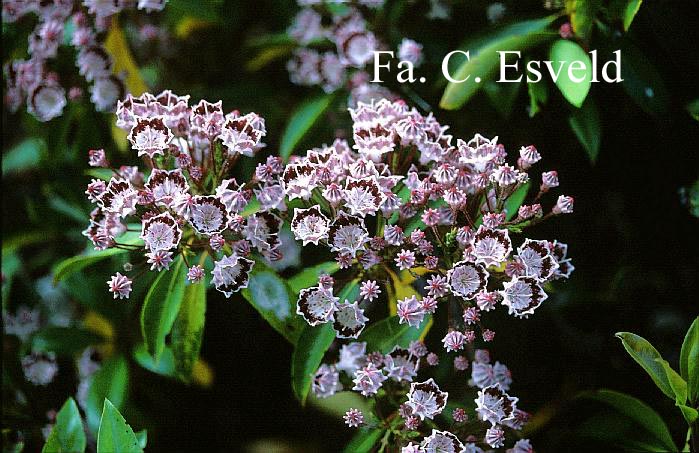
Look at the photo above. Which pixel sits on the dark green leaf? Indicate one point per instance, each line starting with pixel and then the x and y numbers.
pixel 24 156
pixel 188 330
pixel 515 200
pixel 645 354
pixel 165 365
pixel 677 384
pixel 309 351
pixel 586 125
pixel 484 59
pixel 538 96
pixel 689 361
pixel 562 54
pixel 305 116
pixel 385 334
pixel 111 381
pixel 364 440
pixel 64 340
pixel 642 81
pixel 502 96
pixel 115 435
pixel 161 306
pixel 272 298
pixel 637 411
pixel 309 276
pixel 142 437
pixel 624 11
pixel 67 435
pixel 582 16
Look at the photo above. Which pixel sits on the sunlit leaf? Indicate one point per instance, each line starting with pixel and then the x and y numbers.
pixel 111 381
pixel 115 435
pixel 645 355
pixel 624 11
pixel 515 200
pixel 689 361
pixel 161 306
pixel 67 434
pixel 484 59
pixel 188 330
pixel 309 276
pixel 383 335
pixel 309 351
pixel 677 384
pixel 562 54
pixel 303 118
pixel 165 365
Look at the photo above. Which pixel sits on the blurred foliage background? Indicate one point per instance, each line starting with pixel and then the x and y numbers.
pixel 633 237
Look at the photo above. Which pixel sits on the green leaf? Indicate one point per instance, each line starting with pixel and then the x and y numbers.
pixel 161 306
pixel 309 276
pixel 385 334
pixel 624 11
pixel 64 340
pixel 538 96
pixel 502 96
pixel 23 156
pixel 339 403
pixel 645 355
pixel 689 361
pixel 692 108
pixel 111 381
pixel 165 365
pixel 142 437
pixel 67 435
pixel 77 263
pixel 305 116
pixel 484 59
pixel 582 16
pixel 272 298
pixel 642 81
pixel 562 54
pixel 586 126
pixel 639 412
pixel 677 384
pixel 364 440
pixel 689 413
pixel 515 200
pixel 188 330
pixel 350 291
pixel 115 435
pixel 309 351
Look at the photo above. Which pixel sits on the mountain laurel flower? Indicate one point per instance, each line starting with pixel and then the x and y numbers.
pixel 393 235
pixel 459 415
pixel 97 158
pixel 537 259
pixel 454 340
pixel 309 225
pixel 494 405
pixel 368 379
pixel 488 335
pixel 411 51
pixel 40 368
pixel 150 136
pixel 461 363
pixel 317 305
pixel 401 365
pixel 564 205
pixel 326 381
pixel 159 259
pixel 522 295
pixel 486 301
pixel 426 399
pixel 471 315
pixel 352 357
pixel 410 311
pixel 495 437
pixel 491 246
pixel 231 274
pixel 354 418
pixel 369 290
pixel 549 180
pixel 523 445
pixel 432 359
pixel 467 279
pixel 349 320
pixel 161 232
pixel 120 286
pixel 405 259
pixel 195 274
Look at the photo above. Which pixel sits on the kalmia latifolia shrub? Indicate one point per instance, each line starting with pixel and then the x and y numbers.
pixel 407 199
pixel 186 204
pixel 80 24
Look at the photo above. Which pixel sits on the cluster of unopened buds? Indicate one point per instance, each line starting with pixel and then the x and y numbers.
pixel 330 56
pixel 407 202
pixel 80 24
pixel 186 204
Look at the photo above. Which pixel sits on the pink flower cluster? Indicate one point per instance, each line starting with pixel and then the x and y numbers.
pixel 32 81
pixel 184 203
pixel 331 55
pixel 408 201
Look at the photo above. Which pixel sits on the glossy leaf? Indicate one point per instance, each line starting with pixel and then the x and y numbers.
pixel 161 306
pixel 637 411
pixel 689 413
pixel 309 351
pixel 305 116
pixel 24 156
pixel 67 434
pixel 309 276
pixel 142 438
pixel 272 298
pixel 165 365
pixel 385 334
pixel 645 355
pixel 677 384
pixel 64 340
pixel 364 440
pixel 689 361
pixel 484 59
pixel 586 125
pixel 111 381
pixel 562 54
pixel 115 435
pixel 625 11
pixel 514 201
pixel 188 330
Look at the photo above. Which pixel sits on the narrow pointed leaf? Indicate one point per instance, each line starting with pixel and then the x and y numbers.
pixel 677 384
pixel 67 435
pixel 645 354
pixel 516 200
pixel 309 276
pixel 115 435
pixel 161 306
pixel 385 334
pixel 689 361
pixel 562 54
pixel 586 125
pixel 188 330
pixel 309 351
pixel 305 116
pixel 111 381
pixel 364 440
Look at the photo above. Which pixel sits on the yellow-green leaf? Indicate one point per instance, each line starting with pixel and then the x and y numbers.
pixel 123 62
pixel 563 54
